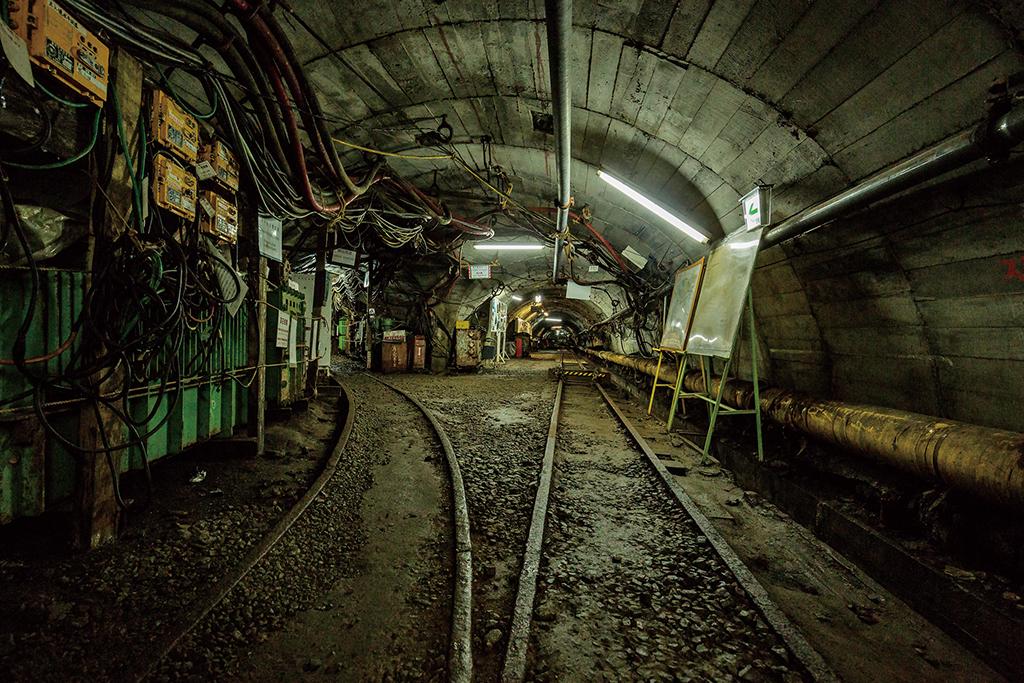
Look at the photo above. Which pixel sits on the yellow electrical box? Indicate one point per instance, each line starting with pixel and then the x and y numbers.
pixel 173 128
pixel 222 163
pixel 462 324
pixel 218 216
pixel 174 188
pixel 62 46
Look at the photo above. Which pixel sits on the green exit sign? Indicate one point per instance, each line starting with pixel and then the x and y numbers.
pixel 757 210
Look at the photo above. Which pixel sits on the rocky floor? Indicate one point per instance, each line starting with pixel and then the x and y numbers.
pixel 629 589
pixel 95 616
pixel 362 579
pixel 497 421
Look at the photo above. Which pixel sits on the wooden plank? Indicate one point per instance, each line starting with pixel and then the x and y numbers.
pixel 96 516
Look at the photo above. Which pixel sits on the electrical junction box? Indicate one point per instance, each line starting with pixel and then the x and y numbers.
pixel 293 302
pixel 218 216
pixel 222 162
pixel 173 128
pixel 63 47
pixel 174 188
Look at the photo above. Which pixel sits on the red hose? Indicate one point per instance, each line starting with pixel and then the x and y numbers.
pixel 576 217
pixel 296 145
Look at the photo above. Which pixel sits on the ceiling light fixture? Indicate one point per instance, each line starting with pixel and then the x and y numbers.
pixel 553 320
pixel 516 297
pixel 507 246
pixel 648 204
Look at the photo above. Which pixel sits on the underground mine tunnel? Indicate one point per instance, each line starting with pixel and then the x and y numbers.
pixel 468 340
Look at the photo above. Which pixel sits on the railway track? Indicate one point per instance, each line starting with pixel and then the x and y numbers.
pixel 216 594
pixel 607 482
pixel 459 653
pixel 460 650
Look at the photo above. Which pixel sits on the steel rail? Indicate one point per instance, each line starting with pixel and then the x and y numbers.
pixel 460 648
pixel 219 591
pixel 514 668
pixel 780 623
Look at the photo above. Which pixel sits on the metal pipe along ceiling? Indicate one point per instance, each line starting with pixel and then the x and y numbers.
pixel 1005 132
pixel 984 461
pixel 559 25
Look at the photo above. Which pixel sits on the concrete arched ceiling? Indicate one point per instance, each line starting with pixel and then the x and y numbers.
pixel 693 101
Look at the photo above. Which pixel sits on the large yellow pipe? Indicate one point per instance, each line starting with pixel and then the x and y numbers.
pixel 984 461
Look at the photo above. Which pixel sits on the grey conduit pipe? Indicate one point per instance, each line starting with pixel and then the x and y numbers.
pixel 559 24
pixel 1002 134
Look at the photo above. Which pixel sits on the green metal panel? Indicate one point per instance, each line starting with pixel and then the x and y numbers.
pixel 32 474
pixel 36 472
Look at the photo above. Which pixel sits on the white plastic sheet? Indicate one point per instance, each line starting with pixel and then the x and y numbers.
pixel 681 306
pixel 723 293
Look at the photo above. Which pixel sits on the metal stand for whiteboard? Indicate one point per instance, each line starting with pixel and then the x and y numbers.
pixel 658 385
pixel 715 407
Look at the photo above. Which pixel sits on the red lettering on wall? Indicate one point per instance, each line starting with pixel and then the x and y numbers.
pixel 1012 271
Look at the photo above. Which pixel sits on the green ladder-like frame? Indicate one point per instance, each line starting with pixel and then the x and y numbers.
pixel 715 407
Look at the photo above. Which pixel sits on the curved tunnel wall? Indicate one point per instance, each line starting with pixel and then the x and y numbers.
pixel 915 304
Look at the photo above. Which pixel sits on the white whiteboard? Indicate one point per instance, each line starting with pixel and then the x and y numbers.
pixel 723 293
pixel 681 306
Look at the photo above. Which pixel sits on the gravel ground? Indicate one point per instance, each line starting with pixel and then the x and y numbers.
pixel 629 588
pixel 302 578
pixel 94 616
pixel 497 422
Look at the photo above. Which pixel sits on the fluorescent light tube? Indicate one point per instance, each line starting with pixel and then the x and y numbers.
pixel 510 246
pixel 516 297
pixel 553 320
pixel 662 213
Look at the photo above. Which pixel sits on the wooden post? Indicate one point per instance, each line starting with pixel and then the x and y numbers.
pixel 95 508
pixel 261 355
